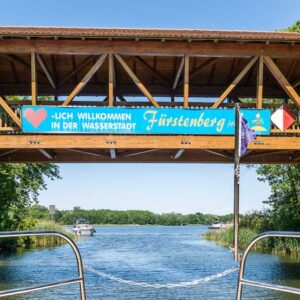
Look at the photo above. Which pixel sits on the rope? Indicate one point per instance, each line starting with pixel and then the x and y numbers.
pixel 158 285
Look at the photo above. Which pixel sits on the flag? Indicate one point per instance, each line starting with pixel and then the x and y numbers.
pixel 247 135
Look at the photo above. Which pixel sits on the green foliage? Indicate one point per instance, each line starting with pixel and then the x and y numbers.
pixel 274 245
pixel 283 213
pixel 294 28
pixel 19 188
pixel 140 217
pixel 284 200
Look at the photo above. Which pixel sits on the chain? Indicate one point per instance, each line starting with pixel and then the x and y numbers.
pixel 158 285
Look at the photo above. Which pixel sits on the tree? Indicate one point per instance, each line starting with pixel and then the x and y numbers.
pixel 294 28
pixel 19 188
pixel 284 200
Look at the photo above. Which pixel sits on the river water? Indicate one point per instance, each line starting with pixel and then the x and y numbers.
pixel 153 254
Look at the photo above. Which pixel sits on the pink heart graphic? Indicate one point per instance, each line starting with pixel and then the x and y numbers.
pixel 35 118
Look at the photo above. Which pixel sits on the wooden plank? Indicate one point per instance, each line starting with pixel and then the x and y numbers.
pixel 136 80
pixel 110 80
pixel 156 48
pixel 85 79
pixel 33 79
pixel 10 112
pixel 260 79
pixel 179 71
pixel 45 69
pixel 186 81
pixel 235 82
pixel 163 80
pixel 81 142
pixel 280 78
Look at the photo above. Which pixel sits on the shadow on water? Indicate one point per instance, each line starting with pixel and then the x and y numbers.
pixel 154 254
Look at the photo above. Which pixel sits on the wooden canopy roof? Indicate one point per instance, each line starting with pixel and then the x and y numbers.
pixel 155 55
pixel 183 66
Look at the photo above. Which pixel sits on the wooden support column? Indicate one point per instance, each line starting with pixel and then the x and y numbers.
pixel 186 81
pixel 136 80
pixel 33 79
pixel 260 79
pixel 85 79
pixel 235 82
pixel 10 112
pixel 291 92
pixel 110 79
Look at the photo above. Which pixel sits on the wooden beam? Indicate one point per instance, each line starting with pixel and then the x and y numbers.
pixel 260 79
pixel 8 152
pixel 82 142
pixel 33 79
pixel 218 154
pixel 179 71
pixel 86 152
pixel 150 47
pixel 280 78
pixel 136 80
pixel 140 153
pixel 78 68
pixel 110 80
pixel 186 81
pixel 46 153
pixel 163 80
pixel 42 63
pixel 235 82
pixel 178 153
pixel 10 112
pixel 198 70
pixel 85 79
pixel 113 153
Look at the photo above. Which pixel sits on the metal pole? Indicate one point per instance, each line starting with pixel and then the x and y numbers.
pixel 80 279
pixel 242 281
pixel 237 140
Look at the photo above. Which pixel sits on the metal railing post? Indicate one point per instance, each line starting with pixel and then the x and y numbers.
pixel 79 280
pixel 242 281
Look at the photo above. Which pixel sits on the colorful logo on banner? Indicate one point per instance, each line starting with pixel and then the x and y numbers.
pixel 53 119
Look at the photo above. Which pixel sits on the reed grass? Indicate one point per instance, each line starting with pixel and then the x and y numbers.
pixel 45 241
pixel 280 246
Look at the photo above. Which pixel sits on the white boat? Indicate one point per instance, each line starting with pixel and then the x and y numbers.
pixel 83 227
pixel 217 225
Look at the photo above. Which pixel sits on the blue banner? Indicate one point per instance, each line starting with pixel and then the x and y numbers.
pixel 105 120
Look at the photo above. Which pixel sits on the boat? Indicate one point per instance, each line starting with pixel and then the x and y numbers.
pixel 83 227
pixel 217 225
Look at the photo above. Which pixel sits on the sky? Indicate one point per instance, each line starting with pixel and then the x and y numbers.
pixel 184 188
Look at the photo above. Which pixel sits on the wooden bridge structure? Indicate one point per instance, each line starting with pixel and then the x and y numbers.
pixel 143 68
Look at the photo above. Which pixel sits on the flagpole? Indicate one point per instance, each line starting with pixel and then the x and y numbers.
pixel 237 147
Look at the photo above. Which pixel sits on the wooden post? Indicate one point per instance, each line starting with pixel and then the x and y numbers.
pixel 186 81
pixel 33 80
pixel 235 82
pixel 110 79
pixel 136 80
pixel 260 78
pixel 282 80
pixel 237 139
pixel 9 111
